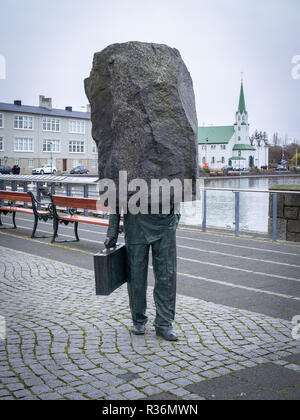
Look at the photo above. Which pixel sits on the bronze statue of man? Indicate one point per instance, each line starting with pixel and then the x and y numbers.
pixel 143 231
pixel 144 123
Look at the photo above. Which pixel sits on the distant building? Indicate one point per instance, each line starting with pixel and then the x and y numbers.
pixel 231 145
pixel 31 135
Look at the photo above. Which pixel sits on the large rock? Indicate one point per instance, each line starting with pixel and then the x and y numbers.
pixel 143 112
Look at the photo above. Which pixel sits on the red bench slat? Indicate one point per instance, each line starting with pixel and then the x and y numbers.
pixel 15 196
pixel 16 209
pixel 78 203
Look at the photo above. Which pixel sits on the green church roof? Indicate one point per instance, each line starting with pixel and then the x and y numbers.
pixel 242 105
pixel 243 147
pixel 215 135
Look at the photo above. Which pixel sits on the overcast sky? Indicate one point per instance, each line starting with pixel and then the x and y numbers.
pixel 49 45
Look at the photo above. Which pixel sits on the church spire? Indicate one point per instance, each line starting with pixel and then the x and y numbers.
pixel 242 106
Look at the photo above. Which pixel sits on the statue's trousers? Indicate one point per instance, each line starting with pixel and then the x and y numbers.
pixel 164 268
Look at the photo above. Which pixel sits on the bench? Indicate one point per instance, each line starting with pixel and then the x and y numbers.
pixel 11 198
pixel 72 204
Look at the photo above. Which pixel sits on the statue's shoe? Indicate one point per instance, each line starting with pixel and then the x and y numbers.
pixel 138 329
pixel 167 334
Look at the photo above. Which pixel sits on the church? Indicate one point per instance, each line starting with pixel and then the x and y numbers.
pixel 223 146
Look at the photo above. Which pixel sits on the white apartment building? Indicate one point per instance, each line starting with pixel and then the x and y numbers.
pixel 221 146
pixel 32 136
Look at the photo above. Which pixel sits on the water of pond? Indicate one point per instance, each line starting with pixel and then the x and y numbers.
pixel 254 206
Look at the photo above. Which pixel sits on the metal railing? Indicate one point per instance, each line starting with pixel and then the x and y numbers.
pixel 62 184
pixel 82 187
pixel 237 192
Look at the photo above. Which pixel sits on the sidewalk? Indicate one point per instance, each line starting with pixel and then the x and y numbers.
pixel 64 342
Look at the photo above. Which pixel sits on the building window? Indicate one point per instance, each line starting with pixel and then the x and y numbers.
pixel 51 124
pixel 213 147
pixel 16 162
pixel 76 146
pixel 1 120
pixel 223 159
pixel 213 159
pixel 76 162
pixel 239 138
pixel 22 144
pixel 77 126
pixel 51 146
pixel 23 122
pixel 239 128
pixel 203 159
pixel 240 153
pixel 203 147
pixel 30 163
pixel 1 144
pixel 223 147
pixel 52 162
pixel 95 163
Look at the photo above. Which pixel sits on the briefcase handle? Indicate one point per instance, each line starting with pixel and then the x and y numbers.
pixel 107 250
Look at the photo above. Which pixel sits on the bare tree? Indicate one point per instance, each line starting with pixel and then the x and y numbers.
pixel 276 139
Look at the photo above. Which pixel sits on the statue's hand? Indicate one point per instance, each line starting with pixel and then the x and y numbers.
pixel 110 242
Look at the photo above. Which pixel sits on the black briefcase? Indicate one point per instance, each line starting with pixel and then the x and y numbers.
pixel 110 269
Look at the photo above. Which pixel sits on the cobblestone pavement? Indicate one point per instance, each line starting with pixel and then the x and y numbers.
pixel 63 342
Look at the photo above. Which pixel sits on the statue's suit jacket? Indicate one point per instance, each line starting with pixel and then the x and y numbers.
pixel 142 228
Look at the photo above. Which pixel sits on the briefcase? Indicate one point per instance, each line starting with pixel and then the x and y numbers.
pixel 110 269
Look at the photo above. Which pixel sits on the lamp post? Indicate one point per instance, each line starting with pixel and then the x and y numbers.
pixel 51 155
pixel 282 156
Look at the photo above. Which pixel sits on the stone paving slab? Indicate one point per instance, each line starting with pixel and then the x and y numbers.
pixel 64 342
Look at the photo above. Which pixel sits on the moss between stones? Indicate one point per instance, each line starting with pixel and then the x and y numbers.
pixel 286 187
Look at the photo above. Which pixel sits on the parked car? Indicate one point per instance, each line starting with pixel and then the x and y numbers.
pixel 5 170
pixel 79 170
pixel 281 168
pixel 234 172
pixel 48 169
pixel 295 168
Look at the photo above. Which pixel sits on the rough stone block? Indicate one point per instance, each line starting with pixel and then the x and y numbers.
pixel 293 237
pixel 293 226
pixel 143 113
pixel 280 205
pixel 291 213
pixel 292 200
pixel 281 228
